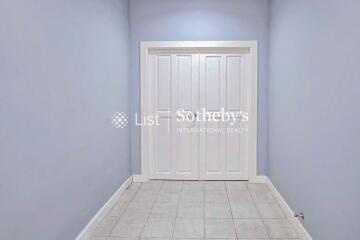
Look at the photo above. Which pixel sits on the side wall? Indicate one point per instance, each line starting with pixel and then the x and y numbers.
pixel 206 20
pixel 63 73
pixel 314 113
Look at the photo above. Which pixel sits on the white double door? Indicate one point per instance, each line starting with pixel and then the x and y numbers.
pixel 193 150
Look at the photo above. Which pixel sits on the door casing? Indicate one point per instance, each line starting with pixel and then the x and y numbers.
pixel 146 47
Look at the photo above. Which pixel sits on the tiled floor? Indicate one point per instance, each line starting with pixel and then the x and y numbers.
pixel 195 210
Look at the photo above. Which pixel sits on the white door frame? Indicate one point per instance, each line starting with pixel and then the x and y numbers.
pixel 146 47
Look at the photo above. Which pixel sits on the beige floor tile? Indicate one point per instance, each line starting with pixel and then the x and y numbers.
pixel 172 186
pixel 217 210
pixel 180 210
pixel 164 210
pixel 154 185
pixel 137 209
pixel 236 185
pixel 129 227
pixel 168 197
pixel 193 186
pixel 98 238
pixel 214 186
pixel 145 196
pixel 127 195
pixel 106 225
pixel 188 238
pixel 118 209
pixel 279 228
pixel 155 238
pixel 240 197
pixel 250 228
pixel 219 228
pixel 262 196
pixel 192 196
pixel 158 228
pixel 191 210
pixel 257 186
pixel 216 196
pixel 134 186
pixel 226 239
pixel 244 210
pixel 270 210
pixel 120 238
pixel 189 228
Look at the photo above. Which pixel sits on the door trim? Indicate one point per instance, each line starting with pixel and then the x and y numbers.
pixel 146 47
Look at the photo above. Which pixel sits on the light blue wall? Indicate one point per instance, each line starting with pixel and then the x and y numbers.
pixel 314 112
pixel 63 72
pixel 164 20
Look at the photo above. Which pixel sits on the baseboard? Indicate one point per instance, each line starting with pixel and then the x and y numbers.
pixel 90 227
pixel 140 178
pixel 258 179
pixel 289 213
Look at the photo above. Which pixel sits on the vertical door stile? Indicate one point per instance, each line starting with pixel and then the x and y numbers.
pixel 202 85
pixel 153 72
pixel 245 103
pixel 195 107
pixel 174 104
pixel 223 104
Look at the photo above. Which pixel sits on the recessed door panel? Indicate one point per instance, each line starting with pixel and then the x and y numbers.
pixel 185 82
pixel 233 75
pixel 164 148
pixel 213 81
pixel 164 82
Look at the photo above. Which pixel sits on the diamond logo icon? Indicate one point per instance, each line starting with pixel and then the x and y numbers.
pixel 120 120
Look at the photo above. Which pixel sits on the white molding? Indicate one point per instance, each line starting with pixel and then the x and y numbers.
pixel 90 227
pixel 145 47
pixel 253 160
pixel 140 178
pixel 289 213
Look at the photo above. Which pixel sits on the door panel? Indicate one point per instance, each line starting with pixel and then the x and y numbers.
pixel 185 82
pixel 164 148
pixel 176 78
pixel 223 148
pixel 192 82
pixel 233 74
pixel 213 81
pixel 164 82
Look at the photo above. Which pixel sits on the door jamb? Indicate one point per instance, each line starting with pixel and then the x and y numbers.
pixel 146 47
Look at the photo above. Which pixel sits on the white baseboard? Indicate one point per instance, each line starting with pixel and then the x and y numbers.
pixel 289 213
pixel 256 179
pixel 90 227
pixel 140 178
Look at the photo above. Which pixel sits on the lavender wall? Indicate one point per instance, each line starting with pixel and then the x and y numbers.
pixel 314 113
pixel 164 20
pixel 63 72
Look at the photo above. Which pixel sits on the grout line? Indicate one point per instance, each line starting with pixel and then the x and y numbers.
pixel 127 205
pixel 232 217
pixel 152 206
pixel 177 210
pixel 267 232
pixel 204 208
